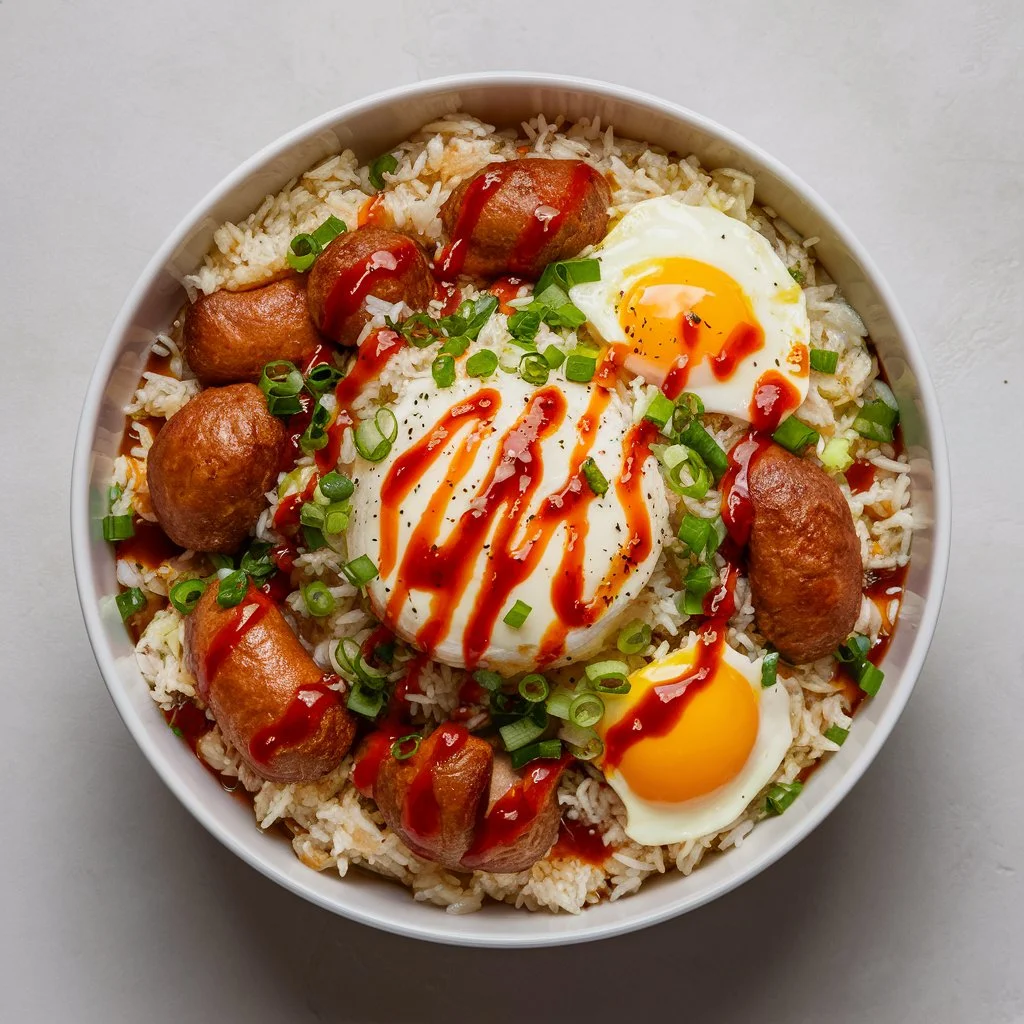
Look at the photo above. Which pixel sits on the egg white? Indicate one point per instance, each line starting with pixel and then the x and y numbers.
pixel 665 227
pixel 653 823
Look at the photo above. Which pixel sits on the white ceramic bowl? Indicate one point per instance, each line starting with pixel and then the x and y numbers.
pixel 370 127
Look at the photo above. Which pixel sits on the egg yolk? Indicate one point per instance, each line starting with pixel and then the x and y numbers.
pixel 681 307
pixel 706 746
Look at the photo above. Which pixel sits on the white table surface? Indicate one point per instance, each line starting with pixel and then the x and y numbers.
pixel 907 904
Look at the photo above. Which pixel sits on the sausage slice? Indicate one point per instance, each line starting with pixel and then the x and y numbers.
pixel 804 557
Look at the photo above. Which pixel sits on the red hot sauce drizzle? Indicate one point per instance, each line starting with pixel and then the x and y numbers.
pixel 253 609
pixel 299 722
pixel 774 397
pixel 421 813
pixel 737 508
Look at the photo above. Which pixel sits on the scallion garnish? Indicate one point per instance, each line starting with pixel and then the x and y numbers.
pixel 517 614
pixel 836 734
pixel 336 518
pixel 701 536
pixel 677 457
pixel 520 732
pixel 455 346
pixel 482 363
pixel 699 580
pixel 794 436
pixel 322 378
pixel 314 437
pixel 634 637
pixel 659 411
pixel 118 527
pixel 534 751
pixel 360 571
pixel 336 486
pixel 533 688
pixel 232 589
pixel 553 356
pixel 405 746
pixel 185 595
pixel 688 407
pixel 319 600
pixel 835 456
pixel 443 370
pixel 824 360
pixel 870 680
pixel 329 231
pixel 580 368
pixel 220 561
pixel 373 438
pixel 534 369
pixel 586 710
pixel 696 437
pixel 566 273
pixel 129 602
pixel 609 676
pixel 593 748
pixel 854 654
pixel 559 701
pixel 524 324
pixel 362 700
pixel 597 481
pixel 386 163
pixel 876 420
pixel 302 252
pixel 782 795
pixel 769 669
pixel 281 382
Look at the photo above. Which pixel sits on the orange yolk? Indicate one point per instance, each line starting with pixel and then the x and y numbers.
pixel 706 748
pixel 682 307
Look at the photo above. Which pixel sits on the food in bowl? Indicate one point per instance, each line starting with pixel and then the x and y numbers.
pixel 518 516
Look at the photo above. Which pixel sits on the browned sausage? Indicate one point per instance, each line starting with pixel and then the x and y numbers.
pixel 370 261
pixel 210 465
pixel 805 567
pixel 269 697
pixel 519 216
pixel 433 799
pixel 228 337
pixel 457 803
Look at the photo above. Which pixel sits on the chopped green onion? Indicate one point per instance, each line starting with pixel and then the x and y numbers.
pixel 482 363
pixel 769 669
pixel 314 437
pixel 634 637
pixel 373 438
pixel 362 700
pixel 114 492
pixel 520 732
pixel 678 457
pixel 455 346
pixel 533 687
pixel 322 378
pixel 281 382
pixel 336 518
pixel 185 595
pixel 336 486
pixel 586 710
pixel 559 702
pixel 609 676
pixel 534 369
pixel 593 749
pixel 699 580
pixel 594 477
pixel 854 654
pixel 420 329
pixel 232 589
pixel 256 562
pixel 876 420
pixel 659 411
pixel 870 680
pixel 543 749
pixel 553 356
pixel 386 163
pixel 118 527
pixel 470 317
pixel 319 600
pixel 824 360
pixel 219 561
pixel 702 537
pixel 489 680
pixel 566 315
pixel 360 571
pixel 854 650
pixel 302 252
pixel 314 538
pixel 311 514
pixel 524 324
pixel 696 437
pixel 517 614
pixel 580 368
pixel 688 407
pixel 566 273
pixel 443 370
pixel 835 456
pixel 329 231
pixel 797 274
pixel 836 734
pixel 405 746
pixel 782 795
pixel 794 436
pixel 129 602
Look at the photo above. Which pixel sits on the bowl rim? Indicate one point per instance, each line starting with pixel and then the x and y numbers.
pixel 451 934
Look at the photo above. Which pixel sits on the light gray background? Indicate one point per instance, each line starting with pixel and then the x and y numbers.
pixel 907 903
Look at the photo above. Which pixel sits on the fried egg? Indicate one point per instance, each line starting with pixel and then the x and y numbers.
pixel 693 742
pixel 695 300
pixel 493 548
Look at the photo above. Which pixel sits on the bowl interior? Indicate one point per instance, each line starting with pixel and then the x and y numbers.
pixel 369 127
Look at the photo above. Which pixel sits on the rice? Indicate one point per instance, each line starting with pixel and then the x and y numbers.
pixel 331 825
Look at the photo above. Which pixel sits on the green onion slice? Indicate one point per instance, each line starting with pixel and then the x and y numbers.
pixel 533 688
pixel 329 231
pixel 634 637
pixel 696 437
pixel 456 346
pixel 837 734
pixel 586 710
pixel 302 252
pixel 374 438
pixel 219 561
pixel 322 378
pixel 876 420
pixel 580 368
pixel 533 751
pixel 489 680
pixel 405 746
pixel 281 382
pixel 566 273
pixel 517 614
pixel 835 456
pixel 524 324
pixel 185 595
pixel 386 163
pixel 795 436
pixel 678 457
pixel 659 411
pixel 118 527
pixel 702 537
pixel 593 749
pixel 553 356
pixel 520 732
pixel 559 701
pixel 824 360
pixel 364 701
pixel 360 571
pixel 870 680
pixel 699 580
pixel 769 669
pixel 336 486
pixel 319 600
pixel 482 363
pixel 595 478
pixel 609 676
pixel 688 407
pixel 314 437
pixel 534 369
pixel 129 602
pixel 443 370
pixel 336 518
pixel 232 589
pixel 782 795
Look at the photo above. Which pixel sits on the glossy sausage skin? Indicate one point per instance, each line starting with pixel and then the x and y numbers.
pixel 532 213
pixel 370 261
pixel 210 465
pixel 253 686
pixel 228 337
pixel 804 557
pixel 466 787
